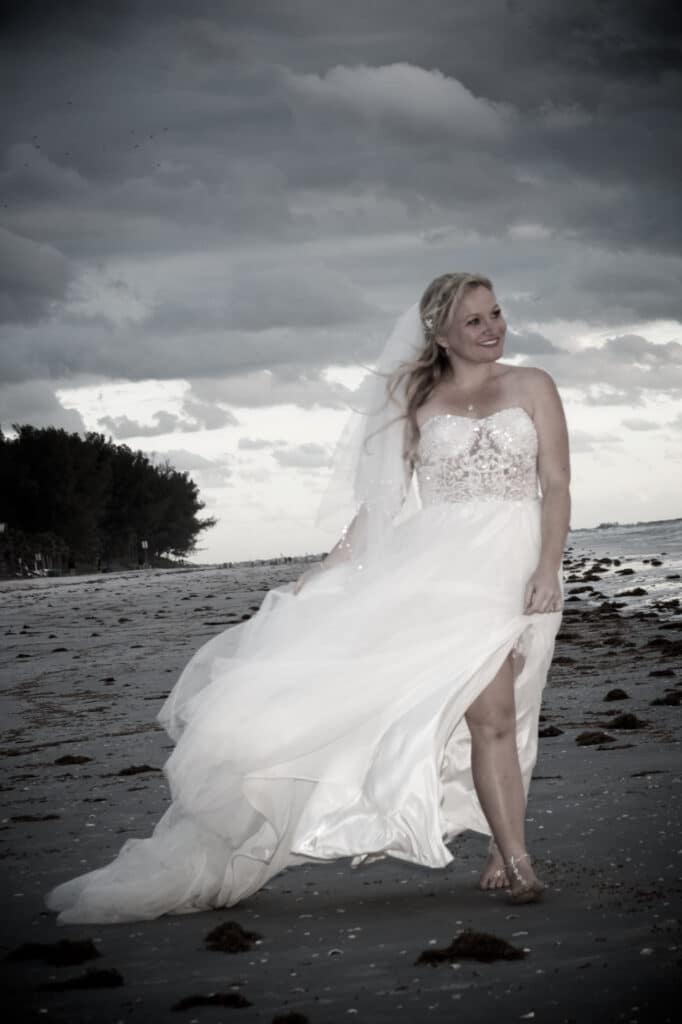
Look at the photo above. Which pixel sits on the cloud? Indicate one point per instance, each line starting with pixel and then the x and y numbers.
pixel 207 472
pixel 301 155
pixel 184 345
pixel 411 98
pixel 621 371
pixel 529 232
pixel 605 395
pixel 35 403
pixel 164 423
pixel 583 441
pixel 528 343
pixel 28 174
pixel 308 455
pixel 208 415
pixel 205 416
pixel 634 423
pixel 305 389
pixel 271 184
pixel 638 351
pixel 258 295
pixel 236 320
pixel 33 276
pixel 257 444
pixel 91 21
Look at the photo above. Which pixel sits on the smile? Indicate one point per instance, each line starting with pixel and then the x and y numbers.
pixel 493 341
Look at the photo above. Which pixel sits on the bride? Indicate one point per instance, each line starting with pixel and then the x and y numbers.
pixel 389 699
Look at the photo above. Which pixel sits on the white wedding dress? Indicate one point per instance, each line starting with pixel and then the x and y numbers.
pixel 331 724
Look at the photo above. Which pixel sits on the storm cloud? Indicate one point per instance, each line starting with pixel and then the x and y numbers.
pixel 243 196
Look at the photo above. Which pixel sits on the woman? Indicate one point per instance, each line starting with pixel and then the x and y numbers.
pixel 390 698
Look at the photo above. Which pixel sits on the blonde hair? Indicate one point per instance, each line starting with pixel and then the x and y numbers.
pixel 418 377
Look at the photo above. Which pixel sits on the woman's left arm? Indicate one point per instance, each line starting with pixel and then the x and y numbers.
pixel 543 593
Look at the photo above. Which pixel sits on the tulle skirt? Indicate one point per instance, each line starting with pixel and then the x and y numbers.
pixel 331 724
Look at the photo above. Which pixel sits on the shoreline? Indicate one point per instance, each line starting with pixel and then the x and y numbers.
pixel 628 578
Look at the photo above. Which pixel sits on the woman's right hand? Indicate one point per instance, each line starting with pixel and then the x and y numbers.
pixel 302 579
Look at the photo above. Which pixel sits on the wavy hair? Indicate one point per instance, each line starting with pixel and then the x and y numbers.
pixel 418 377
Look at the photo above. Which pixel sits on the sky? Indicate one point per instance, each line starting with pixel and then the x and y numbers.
pixel 211 213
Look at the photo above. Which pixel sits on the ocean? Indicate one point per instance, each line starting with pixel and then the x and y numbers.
pixel 653 551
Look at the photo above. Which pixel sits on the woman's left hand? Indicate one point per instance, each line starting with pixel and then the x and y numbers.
pixel 543 593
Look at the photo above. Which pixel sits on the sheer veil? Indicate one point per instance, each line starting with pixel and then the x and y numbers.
pixel 370 476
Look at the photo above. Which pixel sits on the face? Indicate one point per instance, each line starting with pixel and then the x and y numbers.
pixel 477 328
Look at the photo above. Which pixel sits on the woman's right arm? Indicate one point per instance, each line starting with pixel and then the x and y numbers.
pixel 341 552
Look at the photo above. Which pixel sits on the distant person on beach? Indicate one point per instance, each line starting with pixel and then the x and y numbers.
pixel 389 699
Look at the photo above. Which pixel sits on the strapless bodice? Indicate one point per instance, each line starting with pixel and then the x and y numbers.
pixel 465 459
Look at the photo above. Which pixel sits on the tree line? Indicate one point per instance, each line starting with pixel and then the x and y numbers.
pixel 85 502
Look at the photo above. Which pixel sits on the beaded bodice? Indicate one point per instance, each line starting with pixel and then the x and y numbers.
pixel 465 459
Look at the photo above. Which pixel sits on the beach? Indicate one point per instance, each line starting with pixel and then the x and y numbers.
pixel 86 664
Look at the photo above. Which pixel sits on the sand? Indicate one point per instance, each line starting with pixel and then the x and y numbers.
pixel 86 665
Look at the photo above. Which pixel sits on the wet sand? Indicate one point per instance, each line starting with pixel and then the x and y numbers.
pixel 86 664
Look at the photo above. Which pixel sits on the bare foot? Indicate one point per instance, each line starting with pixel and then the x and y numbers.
pixel 494 875
pixel 526 887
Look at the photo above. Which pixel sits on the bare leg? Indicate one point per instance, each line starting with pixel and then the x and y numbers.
pixel 497 777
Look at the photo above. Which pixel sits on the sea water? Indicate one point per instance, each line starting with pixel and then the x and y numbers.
pixel 635 545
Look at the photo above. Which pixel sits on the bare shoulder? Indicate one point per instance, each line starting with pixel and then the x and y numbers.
pixel 532 376
pixel 536 386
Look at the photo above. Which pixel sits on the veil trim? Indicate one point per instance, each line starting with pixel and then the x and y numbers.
pixel 371 481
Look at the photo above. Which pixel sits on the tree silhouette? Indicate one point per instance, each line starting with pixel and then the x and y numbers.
pixel 88 499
